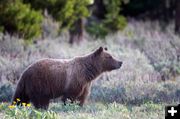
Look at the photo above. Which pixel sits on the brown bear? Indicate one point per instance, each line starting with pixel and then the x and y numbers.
pixel 70 79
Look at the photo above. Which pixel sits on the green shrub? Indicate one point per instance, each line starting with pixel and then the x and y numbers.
pixel 112 22
pixel 1 28
pixel 19 18
pixel 65 12
pixel 25 112
pixel 98 30
pixel 72 11
pixel 113 19
pixel 6 92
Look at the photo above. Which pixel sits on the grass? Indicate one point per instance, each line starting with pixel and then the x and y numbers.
pixel 148 80
pixel 17 112
pixel 90 111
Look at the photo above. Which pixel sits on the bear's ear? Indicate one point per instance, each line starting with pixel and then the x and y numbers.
pixel 98 51
pixel 105 48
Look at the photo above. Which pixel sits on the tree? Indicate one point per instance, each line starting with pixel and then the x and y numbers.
pixel 19 18
pixel 76 32
pixel 113 19
pixel 99 9
pixel 106 18
pixel 177 17
pixel 69 13
pixel 162 10
pixel 74 20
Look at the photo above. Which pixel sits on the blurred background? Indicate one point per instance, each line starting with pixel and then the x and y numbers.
pixel 144 34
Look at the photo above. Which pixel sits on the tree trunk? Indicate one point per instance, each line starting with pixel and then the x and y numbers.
pixel 99 10
pixel 76 33
pixel 177 17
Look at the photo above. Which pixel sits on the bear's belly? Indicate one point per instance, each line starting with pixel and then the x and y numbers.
pixel 74 93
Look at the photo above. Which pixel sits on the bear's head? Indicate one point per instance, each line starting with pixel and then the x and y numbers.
pixel 105 61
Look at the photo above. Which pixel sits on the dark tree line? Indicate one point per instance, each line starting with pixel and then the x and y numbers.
pixel 24 17
pixel 162 10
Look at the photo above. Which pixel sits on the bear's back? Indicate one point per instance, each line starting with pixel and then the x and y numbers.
pixel 45 77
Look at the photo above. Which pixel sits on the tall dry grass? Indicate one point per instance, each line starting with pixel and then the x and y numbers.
pixel 150 71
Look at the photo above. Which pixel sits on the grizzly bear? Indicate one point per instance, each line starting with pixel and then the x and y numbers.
pixel 70 79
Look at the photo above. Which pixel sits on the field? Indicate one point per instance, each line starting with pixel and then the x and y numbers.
pixel 90 111
pixel 148 80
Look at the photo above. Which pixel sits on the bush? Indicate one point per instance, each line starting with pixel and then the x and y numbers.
pixel 98 30
pixel 25 112
pixel 72 11
pixel 112 22
pixel 19 18
pixel 113 19
pixel 6 92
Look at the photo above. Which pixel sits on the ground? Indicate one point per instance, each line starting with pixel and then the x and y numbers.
pixel 96 110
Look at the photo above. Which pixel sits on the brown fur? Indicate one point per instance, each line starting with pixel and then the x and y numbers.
pixel 51 78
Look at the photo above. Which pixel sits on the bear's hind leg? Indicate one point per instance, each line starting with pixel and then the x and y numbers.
pixel 41 103
pixel 45 104
pixel 23 99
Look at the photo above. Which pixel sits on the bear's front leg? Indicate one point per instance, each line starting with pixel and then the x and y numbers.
pixel 84 95
pixel 64 99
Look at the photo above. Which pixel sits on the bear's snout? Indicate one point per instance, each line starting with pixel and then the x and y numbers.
pixel 119 64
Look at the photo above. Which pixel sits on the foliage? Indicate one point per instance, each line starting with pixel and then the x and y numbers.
pixel 68 12
pixel 65 12
pixel 19 18
pixel 73 10
pixel 112 22
pixel 113 19
pixel 25 112
pixel 98 30
pixel 90 111
pixel 6 92
pixel 22 17
pixel 1 28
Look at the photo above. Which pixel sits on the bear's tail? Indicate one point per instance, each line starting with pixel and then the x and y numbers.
pixel 20 95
